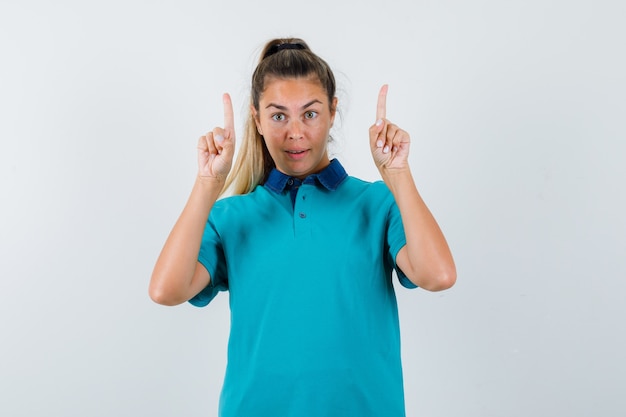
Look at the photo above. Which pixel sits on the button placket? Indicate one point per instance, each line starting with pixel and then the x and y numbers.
pixel 301 210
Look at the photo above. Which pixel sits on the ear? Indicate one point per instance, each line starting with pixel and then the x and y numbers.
pixel 333 110
pixel 255 115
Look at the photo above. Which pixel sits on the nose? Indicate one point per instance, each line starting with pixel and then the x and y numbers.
pixel 295 129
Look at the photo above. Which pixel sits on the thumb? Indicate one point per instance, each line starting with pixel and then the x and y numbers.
pixel 225 141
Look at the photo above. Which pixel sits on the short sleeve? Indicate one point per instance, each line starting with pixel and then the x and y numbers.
pixel 212 257
pixel 396 240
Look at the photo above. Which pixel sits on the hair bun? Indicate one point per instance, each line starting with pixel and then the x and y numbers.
pixel 283 46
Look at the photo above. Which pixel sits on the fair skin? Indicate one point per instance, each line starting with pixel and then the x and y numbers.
pixel 426 258
pixel 177 275
pixel 295 118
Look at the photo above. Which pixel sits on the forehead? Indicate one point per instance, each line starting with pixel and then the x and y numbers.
pixel 293 91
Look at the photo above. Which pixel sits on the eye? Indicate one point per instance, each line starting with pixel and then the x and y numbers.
pixel 310 114
pixel 278 117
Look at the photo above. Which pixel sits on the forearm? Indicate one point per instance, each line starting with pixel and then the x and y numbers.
pixel 426 259
pixel 173 277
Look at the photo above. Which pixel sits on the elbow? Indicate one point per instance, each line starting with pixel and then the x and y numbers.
pixel 443 281
pixel 440 280
pixel 163 296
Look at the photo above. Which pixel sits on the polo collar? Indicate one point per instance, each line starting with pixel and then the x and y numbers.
pixel 329 178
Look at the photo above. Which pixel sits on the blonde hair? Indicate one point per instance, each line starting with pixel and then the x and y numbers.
pixel 281 58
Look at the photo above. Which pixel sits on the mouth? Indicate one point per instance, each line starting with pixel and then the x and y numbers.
pixel 296 154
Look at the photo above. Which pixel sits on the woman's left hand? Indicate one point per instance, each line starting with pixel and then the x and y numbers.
pixel 389 143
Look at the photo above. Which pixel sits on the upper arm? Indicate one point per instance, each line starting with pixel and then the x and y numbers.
pixel 431 277
pixel 201 279
pixel 171 289
pixel 413 274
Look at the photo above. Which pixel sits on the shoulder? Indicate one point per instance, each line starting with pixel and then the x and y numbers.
pixel 360 186
pixel 241 202
pixel 359 195
pixel 259 192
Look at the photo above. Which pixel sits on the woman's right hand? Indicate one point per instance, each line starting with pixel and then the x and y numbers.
pixel 216 148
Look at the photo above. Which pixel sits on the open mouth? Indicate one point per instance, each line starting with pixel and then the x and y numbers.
pixel 297 154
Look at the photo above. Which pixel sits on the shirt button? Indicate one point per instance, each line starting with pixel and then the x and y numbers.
pixel 290 181
pixel 302 215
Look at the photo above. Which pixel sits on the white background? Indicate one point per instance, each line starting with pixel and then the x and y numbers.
pixel 516 110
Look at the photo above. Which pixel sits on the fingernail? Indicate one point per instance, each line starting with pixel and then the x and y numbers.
pixel 386 149
pixel 219 138
pixel 379 143
pixel 379 122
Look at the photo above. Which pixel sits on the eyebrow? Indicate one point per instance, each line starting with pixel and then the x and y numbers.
pixel 279 107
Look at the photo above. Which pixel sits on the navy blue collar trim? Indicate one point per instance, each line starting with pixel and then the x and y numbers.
pixel 330 178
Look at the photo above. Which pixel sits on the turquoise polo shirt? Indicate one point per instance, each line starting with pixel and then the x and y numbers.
pixel 314 320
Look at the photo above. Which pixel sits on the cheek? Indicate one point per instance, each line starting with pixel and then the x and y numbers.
pixel 271 134
pixel 320 131
pixel 272 140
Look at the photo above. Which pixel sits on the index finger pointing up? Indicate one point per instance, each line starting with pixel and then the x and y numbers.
pixel 381 107
pixel 229 119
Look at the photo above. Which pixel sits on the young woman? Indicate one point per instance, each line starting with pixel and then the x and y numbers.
pixel 305 250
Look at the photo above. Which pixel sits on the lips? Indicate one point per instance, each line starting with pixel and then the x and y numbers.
pixel 296 153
